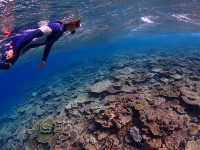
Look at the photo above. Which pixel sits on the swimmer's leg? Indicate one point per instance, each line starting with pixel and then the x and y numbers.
pixel 21 41
pixel 18 43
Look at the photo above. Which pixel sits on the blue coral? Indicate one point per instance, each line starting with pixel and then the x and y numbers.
pixel 135 134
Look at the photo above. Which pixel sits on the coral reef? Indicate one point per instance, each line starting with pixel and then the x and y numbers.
pixel 190 97
pixel 135 134
pixel 117 112
pixel 44 130
pixel 67 132
pixel 142 104
pixel 162 126
pixel 19 147
pixel 193 145
pixel 170 93
pixel 124 85
pixel 100 86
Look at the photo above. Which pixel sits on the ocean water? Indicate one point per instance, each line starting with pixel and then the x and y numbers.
pixel 115 34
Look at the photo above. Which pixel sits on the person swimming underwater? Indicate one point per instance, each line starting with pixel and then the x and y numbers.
pixel 45 35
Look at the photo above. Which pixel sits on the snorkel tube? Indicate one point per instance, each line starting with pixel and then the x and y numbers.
pixel 75 24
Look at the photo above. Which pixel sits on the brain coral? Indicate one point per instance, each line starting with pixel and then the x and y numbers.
pixel 44 130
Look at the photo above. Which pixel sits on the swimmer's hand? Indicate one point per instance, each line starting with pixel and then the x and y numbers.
pixel 9 54
pixel 42 63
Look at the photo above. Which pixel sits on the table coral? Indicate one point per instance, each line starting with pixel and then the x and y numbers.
pixel 190 97
pixel 124 85
pixel 66 134
pixel 167 93
pixel 123 73
pixel 73 136
pixel 53 140
pixel 100 86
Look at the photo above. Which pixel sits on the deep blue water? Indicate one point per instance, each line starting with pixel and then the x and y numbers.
pixel 25 77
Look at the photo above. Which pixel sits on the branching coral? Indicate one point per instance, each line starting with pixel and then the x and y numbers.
pixel 112 142
pixel 118 112
pixel 163 123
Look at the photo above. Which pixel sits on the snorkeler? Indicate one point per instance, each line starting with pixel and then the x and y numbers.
pixel 45 35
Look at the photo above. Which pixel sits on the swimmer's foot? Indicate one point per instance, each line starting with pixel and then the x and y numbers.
pixel 9 54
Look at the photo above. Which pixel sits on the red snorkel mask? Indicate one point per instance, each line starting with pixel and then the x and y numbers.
pixel 75 24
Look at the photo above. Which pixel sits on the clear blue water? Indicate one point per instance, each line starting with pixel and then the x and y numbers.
pixel 24 78
pixel 109 27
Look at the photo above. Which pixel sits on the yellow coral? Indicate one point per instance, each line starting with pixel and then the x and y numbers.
pixel 109 114
pixel 143 102
pixel 180 110
pixel 193 128
pixel 138 106
pixel 96 111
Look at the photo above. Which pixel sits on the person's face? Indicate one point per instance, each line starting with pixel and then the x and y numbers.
pixel 71 27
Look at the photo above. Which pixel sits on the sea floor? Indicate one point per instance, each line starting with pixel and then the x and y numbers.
pixel 135 99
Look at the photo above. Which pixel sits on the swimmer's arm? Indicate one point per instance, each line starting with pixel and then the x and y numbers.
pixel 46 53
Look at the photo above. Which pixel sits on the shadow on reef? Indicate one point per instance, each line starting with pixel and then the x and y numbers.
pixel 133 101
